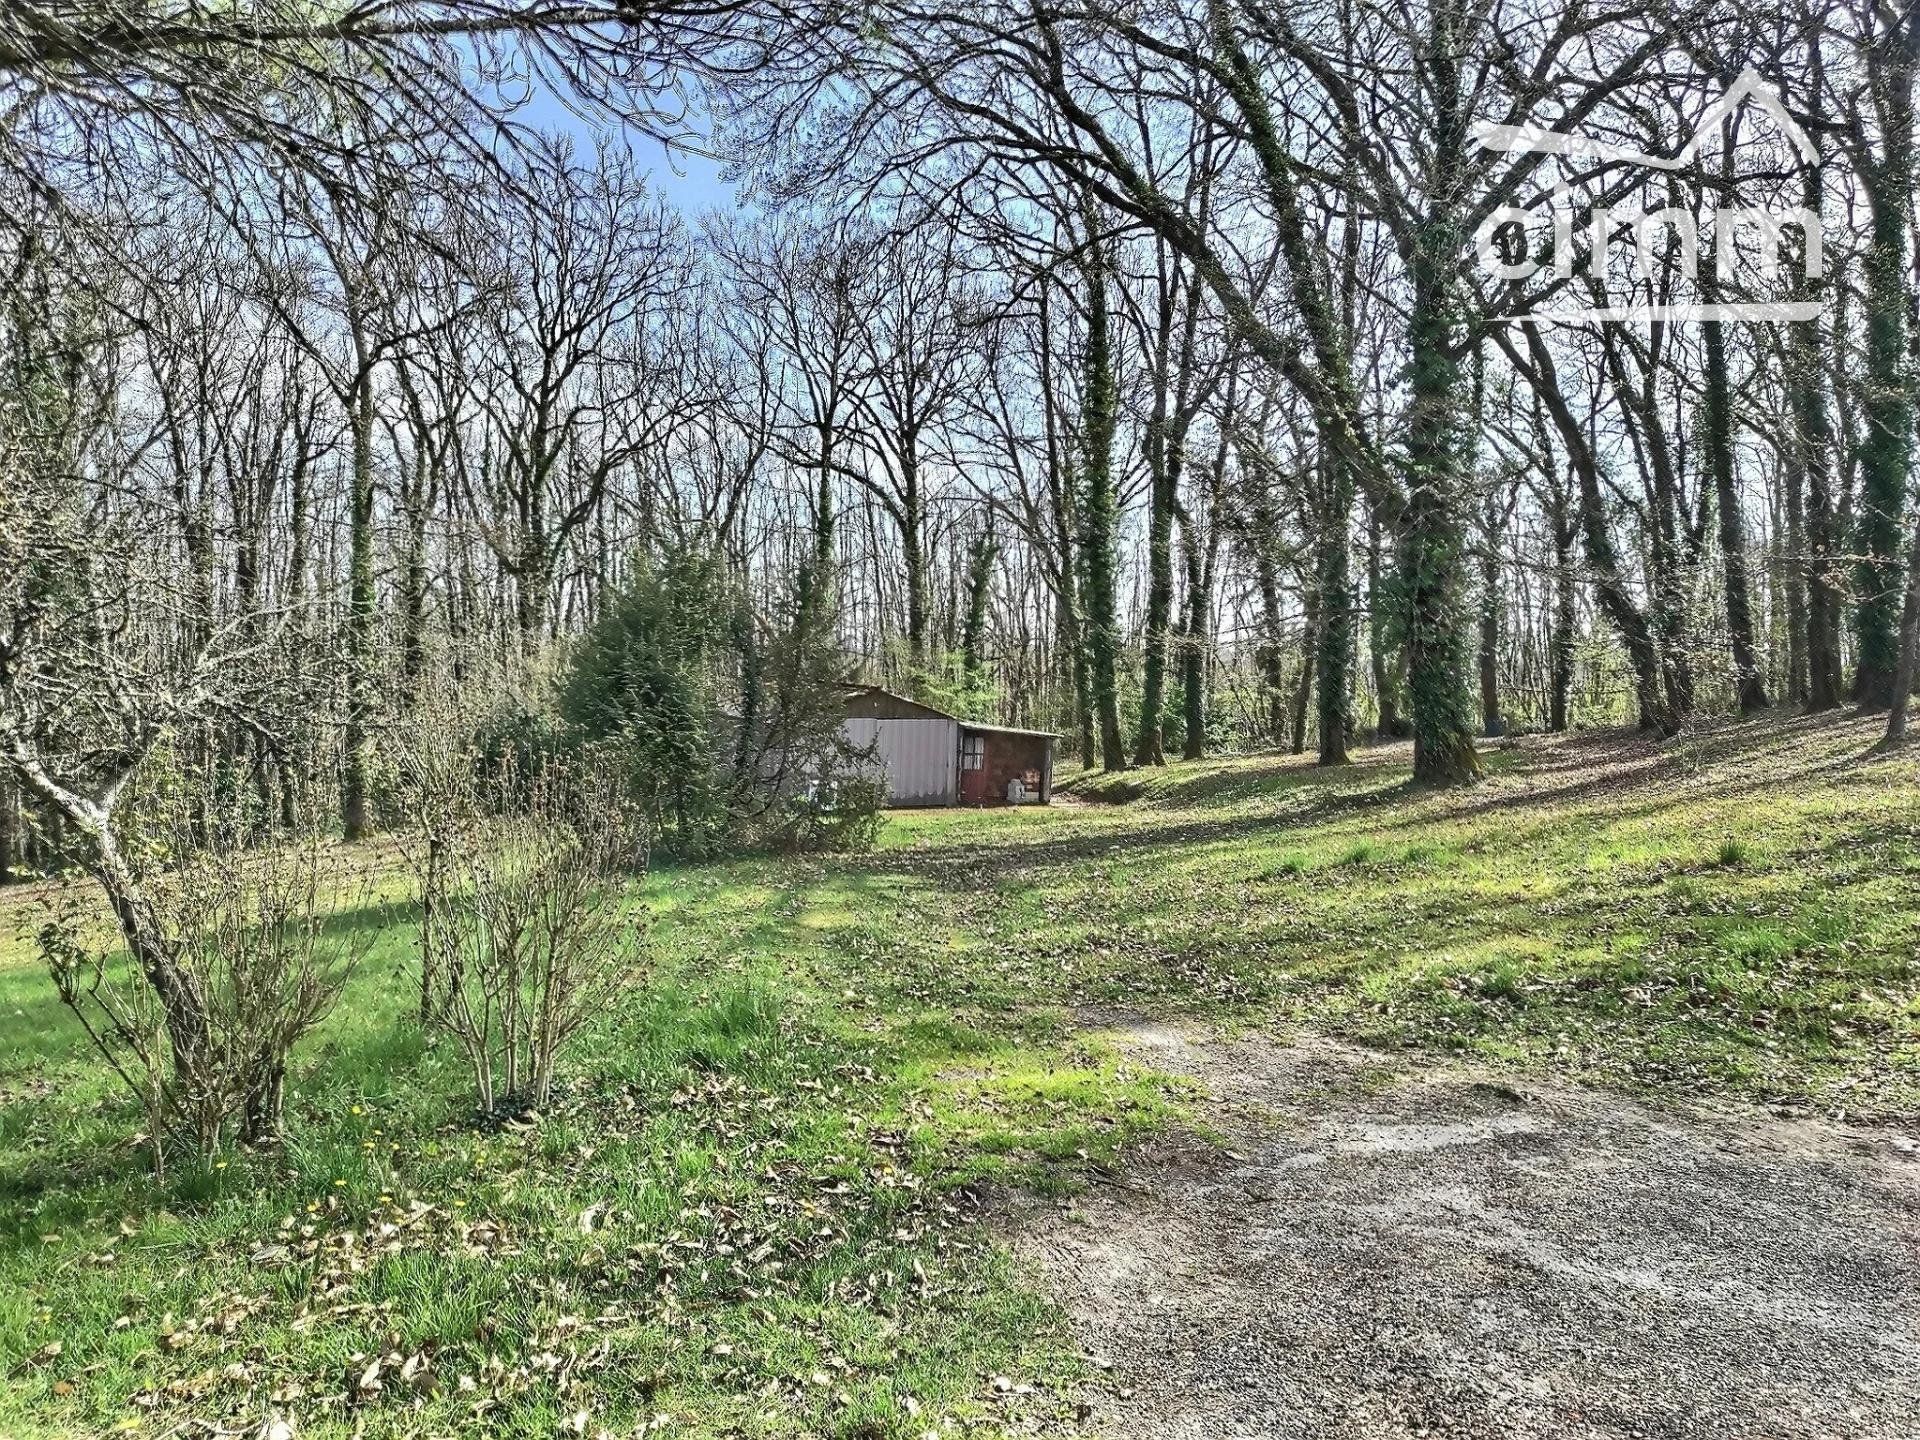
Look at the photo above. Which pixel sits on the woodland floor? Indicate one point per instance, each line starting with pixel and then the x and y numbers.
pixel 1580 1102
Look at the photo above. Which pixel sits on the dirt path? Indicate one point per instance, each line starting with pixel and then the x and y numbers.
pixel 1396 1248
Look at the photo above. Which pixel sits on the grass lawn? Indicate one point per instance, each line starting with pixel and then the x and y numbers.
pixel 758 1206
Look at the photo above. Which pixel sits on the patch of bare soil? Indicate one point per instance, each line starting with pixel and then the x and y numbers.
pixel 1386 1248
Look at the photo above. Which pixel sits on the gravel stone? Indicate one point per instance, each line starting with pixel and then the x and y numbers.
pixel 1387 1247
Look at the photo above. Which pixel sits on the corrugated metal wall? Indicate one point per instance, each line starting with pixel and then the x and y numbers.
pixel 919 756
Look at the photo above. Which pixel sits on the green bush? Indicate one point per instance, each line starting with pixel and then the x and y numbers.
pixel 643 682
pixel 727 723
pixel 843 815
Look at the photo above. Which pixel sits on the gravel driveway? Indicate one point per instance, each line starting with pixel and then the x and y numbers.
pixel 1387 1247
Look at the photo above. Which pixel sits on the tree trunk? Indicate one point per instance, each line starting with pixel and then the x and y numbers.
pixel 298 633
pixel 816 573
pixel 532 590
pixel 1309 648
pixel 1909 654
pixel 9 830
pixel 1814 437
pixel 1635 630
pixel 1431 558
pixel 1193 677
pixel 1071 658
pixel 1099 513
pixel 1670 547
pixel 1334 653
pixel 913 556
pixel 1718 428
pixel 1073 629
pixel 973 634
pixel 1272 653
pixel 1886 450
pixel 1150 748
pixel 1793 577
pixel 1565 612
pixel 1386 671
pixel 263 1116
pixel 183 1001
pixel 413 573
pixel 1491 724
pixel 1902 692
pixel 361 616
pixel 1497 509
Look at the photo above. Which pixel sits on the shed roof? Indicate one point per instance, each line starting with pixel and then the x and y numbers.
pixel 880 691
pixel 1007 730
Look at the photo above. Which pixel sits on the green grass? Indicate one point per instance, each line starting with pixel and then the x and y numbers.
pixel 757 1207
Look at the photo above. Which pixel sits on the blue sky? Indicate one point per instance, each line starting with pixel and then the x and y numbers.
pixel 689 181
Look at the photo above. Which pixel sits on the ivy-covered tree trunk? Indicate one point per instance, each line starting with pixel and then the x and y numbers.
pixel 1165 445
pixel 1431 553
pixel 1886 449
pixel 1193 675
pixel 1071 618
pixel 1335 656
pixel 1099 516
pixel 813 589
pixel 1073 642
pixel 973 632
pixel 1083 707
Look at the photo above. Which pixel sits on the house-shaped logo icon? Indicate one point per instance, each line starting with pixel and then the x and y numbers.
pixel 1645 227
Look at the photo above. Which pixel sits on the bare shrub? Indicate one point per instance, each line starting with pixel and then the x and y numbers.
pixel 256 931
pixel 436 774
pixel 526 931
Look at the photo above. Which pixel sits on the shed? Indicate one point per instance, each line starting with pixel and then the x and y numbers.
pixel 933 758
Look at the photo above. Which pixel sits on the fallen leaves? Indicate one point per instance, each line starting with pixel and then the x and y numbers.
pixel 373 1376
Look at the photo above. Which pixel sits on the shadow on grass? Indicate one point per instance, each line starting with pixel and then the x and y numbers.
pixel 1595 765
